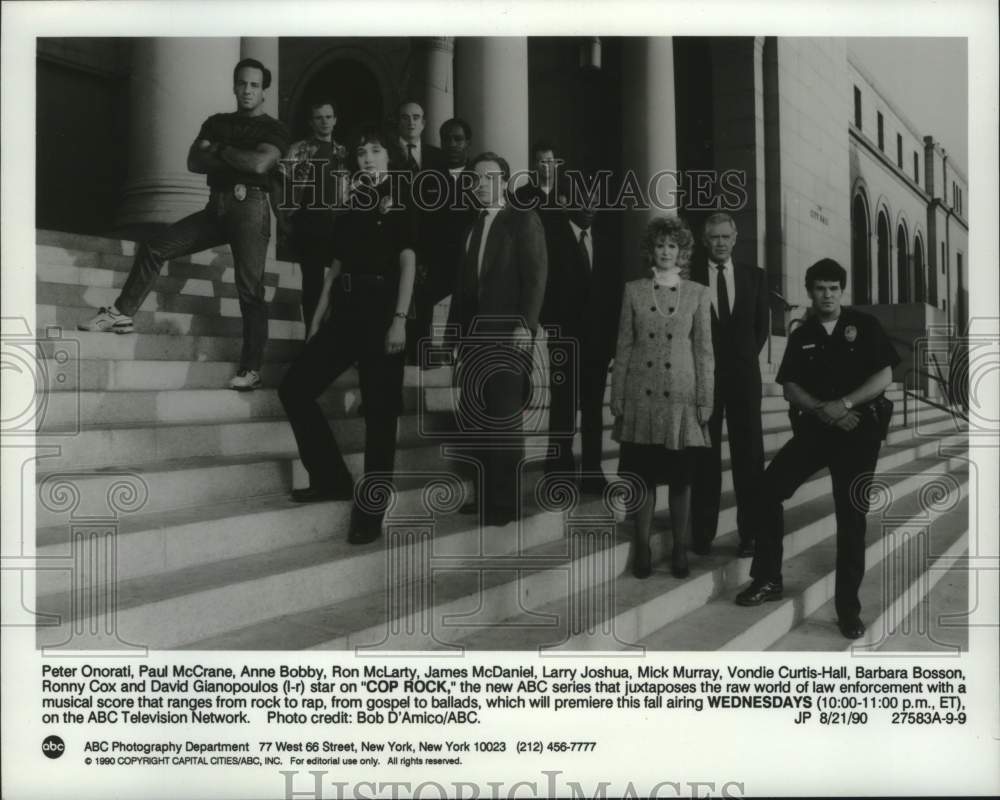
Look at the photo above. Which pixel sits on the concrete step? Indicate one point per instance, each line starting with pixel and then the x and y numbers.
pixel 166 534
pixel 105 271
pixel 622 612
pixel 809 578
pixel 182 606
pixel 283 305
pixel 108 376
pixel 939 622
pixel 70 348
pixel 169 322
pixel 141 443
pixel 896 591
pixel 115 407
pixel 59 248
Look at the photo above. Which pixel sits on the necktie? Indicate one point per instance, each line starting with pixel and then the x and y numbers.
pixel 411 160
pixel 471 266
pixel 584 254
pixel 725 313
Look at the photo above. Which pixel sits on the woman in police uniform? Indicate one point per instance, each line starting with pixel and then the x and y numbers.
pixel 663 383
pixel 367 293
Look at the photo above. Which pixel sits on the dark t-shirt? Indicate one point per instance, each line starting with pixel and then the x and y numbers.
pixel 369 237
pixel 245 133
pixel 829 366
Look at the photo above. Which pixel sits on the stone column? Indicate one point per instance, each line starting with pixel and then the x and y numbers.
pixel 649 136
pixel 433 82
pixel 491 83
pixel 176 83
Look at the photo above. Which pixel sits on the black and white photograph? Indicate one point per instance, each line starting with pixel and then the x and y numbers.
pixel 625 376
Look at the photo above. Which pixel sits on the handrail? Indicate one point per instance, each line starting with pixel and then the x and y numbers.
pixel 940 380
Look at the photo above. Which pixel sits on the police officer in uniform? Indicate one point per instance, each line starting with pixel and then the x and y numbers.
pixel 836 367
pixel 367 291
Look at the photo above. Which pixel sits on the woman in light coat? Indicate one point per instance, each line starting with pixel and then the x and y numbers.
pixel 663 383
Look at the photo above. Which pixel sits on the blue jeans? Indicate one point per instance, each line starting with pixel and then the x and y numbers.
pixel 246 226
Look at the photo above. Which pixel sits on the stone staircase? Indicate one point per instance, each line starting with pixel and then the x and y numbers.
pixel 163 517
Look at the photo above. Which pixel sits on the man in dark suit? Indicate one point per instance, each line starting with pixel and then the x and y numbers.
pixel 580 313
pixel 540 192
pixel 495 306
pixel 739 330
pixel 452 220
pixel 427 170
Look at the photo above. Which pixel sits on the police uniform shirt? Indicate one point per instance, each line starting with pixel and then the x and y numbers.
pixel 369 237
pixel 831 365
pixel 244 133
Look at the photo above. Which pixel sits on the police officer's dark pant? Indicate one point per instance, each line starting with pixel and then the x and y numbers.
pixel 577 379
pixel 246 226
pixel 493 378
pixel 354 334
pixel 314 246
pixel 740 401
pixel 851 458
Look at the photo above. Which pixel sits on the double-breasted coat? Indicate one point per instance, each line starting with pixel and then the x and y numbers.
pixel 664 366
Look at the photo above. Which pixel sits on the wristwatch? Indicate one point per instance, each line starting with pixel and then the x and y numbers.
pixel 847 404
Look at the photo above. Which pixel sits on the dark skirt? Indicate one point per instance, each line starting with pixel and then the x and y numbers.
pixel 656 464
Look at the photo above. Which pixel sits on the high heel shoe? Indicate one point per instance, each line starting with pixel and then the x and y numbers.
pixel 643 568
pixel 679 566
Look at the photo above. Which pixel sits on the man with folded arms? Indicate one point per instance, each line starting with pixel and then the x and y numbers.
pixel 835 369
pixel 237 151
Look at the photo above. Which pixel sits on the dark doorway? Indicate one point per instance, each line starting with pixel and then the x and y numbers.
pixel 355 91
pixel 902 266
pixel 860 265
pixel 884 274
pixel 920 289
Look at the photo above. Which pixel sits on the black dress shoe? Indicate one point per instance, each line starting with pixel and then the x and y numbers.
pixel 642 568
pixel 701 548
pixel 472 507
pixel 759 592
pixel 319 494
pixel 593 484
pixel 680 570
pixel 745 549
pixel 498 519
pixel 851 628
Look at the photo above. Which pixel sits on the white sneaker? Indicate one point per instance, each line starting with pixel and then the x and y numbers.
pixel 108 321
pixel 246 380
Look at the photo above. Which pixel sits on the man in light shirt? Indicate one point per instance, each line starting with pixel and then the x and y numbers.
pixel 740 322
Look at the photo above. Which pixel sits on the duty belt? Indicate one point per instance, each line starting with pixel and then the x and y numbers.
pixel 352 282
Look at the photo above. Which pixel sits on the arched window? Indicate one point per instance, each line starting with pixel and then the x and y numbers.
pixel 920 276
pixel 884 275
pixel 860 254
pixel 902 266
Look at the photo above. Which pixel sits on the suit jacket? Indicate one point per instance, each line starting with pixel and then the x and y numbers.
pixel 449 228
pixel 583 300
pixel 510 286
pixel 429 192
pixel 737 355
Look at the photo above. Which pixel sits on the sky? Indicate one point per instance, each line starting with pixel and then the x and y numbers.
pixel 926 79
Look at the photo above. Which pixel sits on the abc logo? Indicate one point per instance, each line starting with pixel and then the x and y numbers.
pixel 53 746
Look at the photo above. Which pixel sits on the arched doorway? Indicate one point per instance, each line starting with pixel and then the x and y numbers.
pixel 355 90
pixel 902 265
pixel 884 275
pixel 920 287
pixel 860 257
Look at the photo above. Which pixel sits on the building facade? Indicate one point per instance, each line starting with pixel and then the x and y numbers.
pixel 829 167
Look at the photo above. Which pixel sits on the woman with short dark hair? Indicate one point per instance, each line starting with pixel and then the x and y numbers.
pixel 367 292
pixel 663 382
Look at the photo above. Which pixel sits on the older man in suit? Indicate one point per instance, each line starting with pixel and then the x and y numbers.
pixel 428 186
pixel 495 306
pixel 739 296
pixel 580 313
